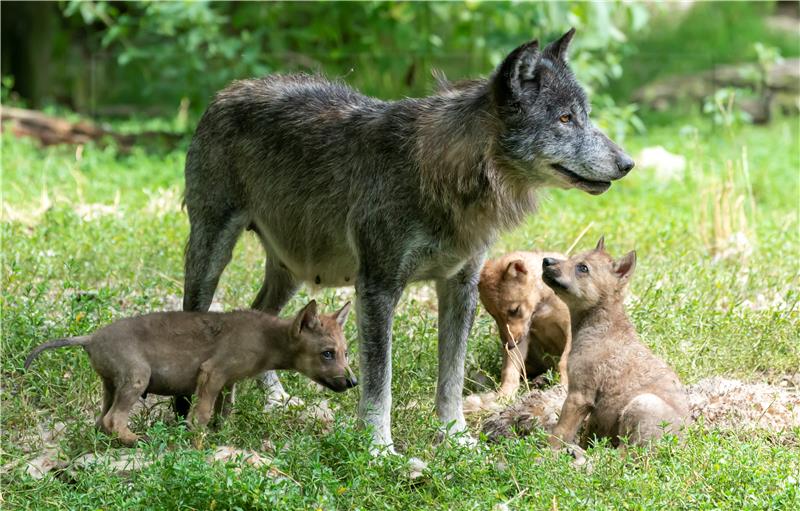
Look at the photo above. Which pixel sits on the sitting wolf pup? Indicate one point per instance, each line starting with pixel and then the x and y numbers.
pixel 533 322
pixel 180 353
pixel 613 377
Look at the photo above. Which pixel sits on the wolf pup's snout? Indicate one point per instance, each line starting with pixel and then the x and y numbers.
pixel 549 261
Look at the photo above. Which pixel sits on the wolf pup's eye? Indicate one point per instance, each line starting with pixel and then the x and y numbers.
pixel 514 311
pixel 327 355
pixel 565 118
pixel 583 268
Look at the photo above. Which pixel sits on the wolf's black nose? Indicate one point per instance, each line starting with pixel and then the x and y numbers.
pixel 352 382
pixel 624 163
pixel 549 261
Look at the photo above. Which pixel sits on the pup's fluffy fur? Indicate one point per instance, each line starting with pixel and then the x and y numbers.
pixel 533 322
pixel 204 353
pixel 614 379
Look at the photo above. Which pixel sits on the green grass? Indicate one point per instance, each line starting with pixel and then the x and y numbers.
pixel 67 275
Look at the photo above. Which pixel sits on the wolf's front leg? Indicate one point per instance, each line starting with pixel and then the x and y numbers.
pixel 458 297
pixel 376 302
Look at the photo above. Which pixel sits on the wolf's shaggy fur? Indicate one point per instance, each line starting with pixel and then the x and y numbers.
pixel 343 189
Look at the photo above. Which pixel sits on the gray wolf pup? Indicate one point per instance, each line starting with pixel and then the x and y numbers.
pixel 625 389
pixel 533 322
pixel 348 190
pixel 181 353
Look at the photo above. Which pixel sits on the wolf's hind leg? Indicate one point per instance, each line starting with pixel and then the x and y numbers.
pixel 209 250
pixel 458 298
pixel 278 288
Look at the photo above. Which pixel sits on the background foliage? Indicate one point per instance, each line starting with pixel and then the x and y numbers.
pixel 92 233
pixel 157 53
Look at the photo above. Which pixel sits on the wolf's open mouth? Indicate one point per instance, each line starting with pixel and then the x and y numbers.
pixel 593 187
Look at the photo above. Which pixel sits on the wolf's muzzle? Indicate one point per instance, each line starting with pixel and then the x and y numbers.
pixel 624 163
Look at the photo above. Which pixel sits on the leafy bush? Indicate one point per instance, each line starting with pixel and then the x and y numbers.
pixel 172 50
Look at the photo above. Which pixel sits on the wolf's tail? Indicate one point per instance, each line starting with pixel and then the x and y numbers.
pixel 57 343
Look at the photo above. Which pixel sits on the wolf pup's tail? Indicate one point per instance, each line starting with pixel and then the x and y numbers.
pixel 57 343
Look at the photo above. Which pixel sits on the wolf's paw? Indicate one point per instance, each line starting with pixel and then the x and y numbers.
pixel 464 439
pixel 282 400
pixel 379 450
pixel 457 437
pixel 416 468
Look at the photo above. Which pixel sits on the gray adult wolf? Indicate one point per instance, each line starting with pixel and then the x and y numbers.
pixel 348 190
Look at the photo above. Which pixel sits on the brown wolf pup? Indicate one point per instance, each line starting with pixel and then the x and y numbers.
pixel 181 353
pixel 613 377
pixel 533 322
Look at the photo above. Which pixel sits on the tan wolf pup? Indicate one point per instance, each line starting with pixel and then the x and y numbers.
pixel 626 389
pixel 181 353
pixel 533 322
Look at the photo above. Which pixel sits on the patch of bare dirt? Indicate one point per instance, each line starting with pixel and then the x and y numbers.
pixel 718 403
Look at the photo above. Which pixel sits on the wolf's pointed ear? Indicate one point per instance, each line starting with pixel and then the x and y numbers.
pixel 601 244
pixel 516 269
pixel 307 318
pixel 517 67
pixel 557 50
pixel 625 266
pixel 341 315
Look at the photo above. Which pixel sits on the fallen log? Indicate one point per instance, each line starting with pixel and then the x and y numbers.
pixel 50 130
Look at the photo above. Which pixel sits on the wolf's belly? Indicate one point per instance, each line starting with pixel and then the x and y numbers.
pixel 328 260
pixel 314 258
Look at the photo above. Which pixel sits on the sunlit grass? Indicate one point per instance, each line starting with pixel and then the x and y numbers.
pixel 90 240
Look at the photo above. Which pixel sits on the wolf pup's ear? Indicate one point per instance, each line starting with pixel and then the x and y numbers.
pixel 341 315
pixel 557 50
pixel 307 318
pixel 516 269
pixel 625 266
pixel 601 244
pixel 514 71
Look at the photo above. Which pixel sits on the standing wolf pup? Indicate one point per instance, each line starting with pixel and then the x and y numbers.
pixel 180 353
pixel 624 388
pixel 348 190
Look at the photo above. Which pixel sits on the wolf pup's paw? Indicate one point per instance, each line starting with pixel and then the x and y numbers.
pixel 486 402
pixel 580 459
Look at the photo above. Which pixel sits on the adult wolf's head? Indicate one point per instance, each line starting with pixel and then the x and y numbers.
pixel 547 137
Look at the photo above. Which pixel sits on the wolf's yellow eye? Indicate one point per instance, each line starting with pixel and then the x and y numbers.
pixel 565 118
